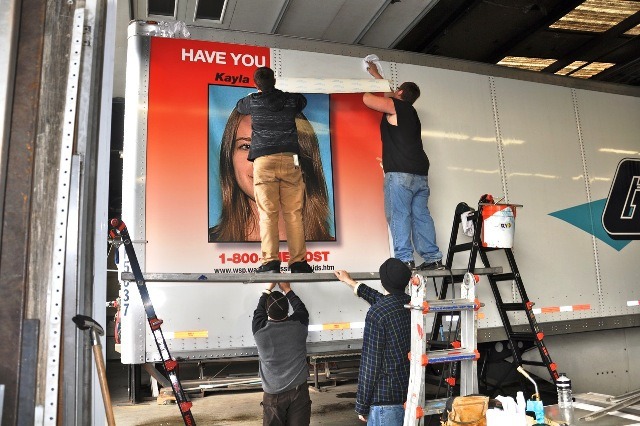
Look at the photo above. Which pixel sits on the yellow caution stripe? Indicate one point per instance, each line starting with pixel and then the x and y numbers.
pixel 336 326
pixel 186 334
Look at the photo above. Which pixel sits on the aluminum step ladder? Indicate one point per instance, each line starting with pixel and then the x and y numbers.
pixel 420 356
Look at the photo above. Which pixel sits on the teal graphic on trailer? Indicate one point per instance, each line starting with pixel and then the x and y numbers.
pixel 614 220
pixel 587 217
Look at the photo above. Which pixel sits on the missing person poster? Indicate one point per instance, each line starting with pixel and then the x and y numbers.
pixel 231 173
pixel 199 207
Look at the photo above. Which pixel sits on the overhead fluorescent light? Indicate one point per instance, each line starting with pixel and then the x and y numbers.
pixel 575 69
pixel 634 31
pixel 571 67
pixel 592 69
pixel 597 15
pixel 533 64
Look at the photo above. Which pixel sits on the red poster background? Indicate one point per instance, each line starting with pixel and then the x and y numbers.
pixel 176 168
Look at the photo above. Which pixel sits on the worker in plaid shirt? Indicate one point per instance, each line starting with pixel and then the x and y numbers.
pixel 384 367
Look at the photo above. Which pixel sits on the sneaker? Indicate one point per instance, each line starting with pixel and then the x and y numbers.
pixel 433 266
pixel 410 264
pixel 301 268
pixel 272 266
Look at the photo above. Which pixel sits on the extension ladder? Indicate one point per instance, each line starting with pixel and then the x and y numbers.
pixel 170 364
pixel 528 339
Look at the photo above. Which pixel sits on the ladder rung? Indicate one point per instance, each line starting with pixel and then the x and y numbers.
pixel 462 247
pixel 446 305
pixel 514 307
pixel 451 355
pixel 524 336
pixel 538 363
pixel 439 344
pixel 503 277
pixel 433 379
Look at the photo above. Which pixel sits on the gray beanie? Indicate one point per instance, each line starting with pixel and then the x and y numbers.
pixel 394 275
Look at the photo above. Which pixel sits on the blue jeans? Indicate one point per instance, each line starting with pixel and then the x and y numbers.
pixel 405 204
pixel 386 415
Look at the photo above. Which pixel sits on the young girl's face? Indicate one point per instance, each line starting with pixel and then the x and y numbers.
pixel 243 168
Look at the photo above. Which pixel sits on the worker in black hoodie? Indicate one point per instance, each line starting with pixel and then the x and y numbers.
pixel 277 178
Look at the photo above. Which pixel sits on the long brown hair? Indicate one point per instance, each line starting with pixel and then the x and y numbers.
pixel 238 218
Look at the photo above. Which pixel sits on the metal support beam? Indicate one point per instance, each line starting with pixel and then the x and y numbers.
pixel 95 283
pixel 455 15
pixel 73 349
pixel 619 73
pixel 275 277
pixel 54 327
pixel 557 12
pixel 283 10
pixel 28 367
pixel 9 15
pixel 16 215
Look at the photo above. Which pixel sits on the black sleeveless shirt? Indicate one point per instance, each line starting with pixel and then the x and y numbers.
pixel 402 149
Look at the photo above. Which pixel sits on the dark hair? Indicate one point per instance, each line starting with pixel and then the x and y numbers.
pixel 410 91
pixel 264 79
pixel 238 219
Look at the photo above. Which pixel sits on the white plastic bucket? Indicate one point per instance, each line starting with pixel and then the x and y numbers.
pixel 498 225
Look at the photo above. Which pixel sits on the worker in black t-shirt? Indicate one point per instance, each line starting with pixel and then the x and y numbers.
pixel 406 169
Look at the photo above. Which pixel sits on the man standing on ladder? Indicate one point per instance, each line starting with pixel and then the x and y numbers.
pixel 406 168
pixel 278 183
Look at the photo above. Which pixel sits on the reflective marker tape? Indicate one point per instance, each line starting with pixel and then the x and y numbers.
pixel 186 334
pixel 336 326
pixel 633 303
pixel 586 307
pixel 554 309
pixel 189 334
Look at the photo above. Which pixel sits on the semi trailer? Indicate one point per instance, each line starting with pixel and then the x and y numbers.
pixel 565 149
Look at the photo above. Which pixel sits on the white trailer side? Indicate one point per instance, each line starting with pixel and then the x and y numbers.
pixel 550 143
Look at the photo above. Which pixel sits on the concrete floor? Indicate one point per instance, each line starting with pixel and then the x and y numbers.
pixel 333 405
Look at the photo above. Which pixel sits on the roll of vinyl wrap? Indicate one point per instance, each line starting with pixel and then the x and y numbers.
pixel 332 85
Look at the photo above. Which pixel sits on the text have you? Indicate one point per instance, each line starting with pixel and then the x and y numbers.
pixel 213 57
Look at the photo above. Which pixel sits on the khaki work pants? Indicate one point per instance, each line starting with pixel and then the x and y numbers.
pixel 278 185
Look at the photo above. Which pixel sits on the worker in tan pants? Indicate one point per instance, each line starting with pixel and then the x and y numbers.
pixel 277 178
pixel 278 184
